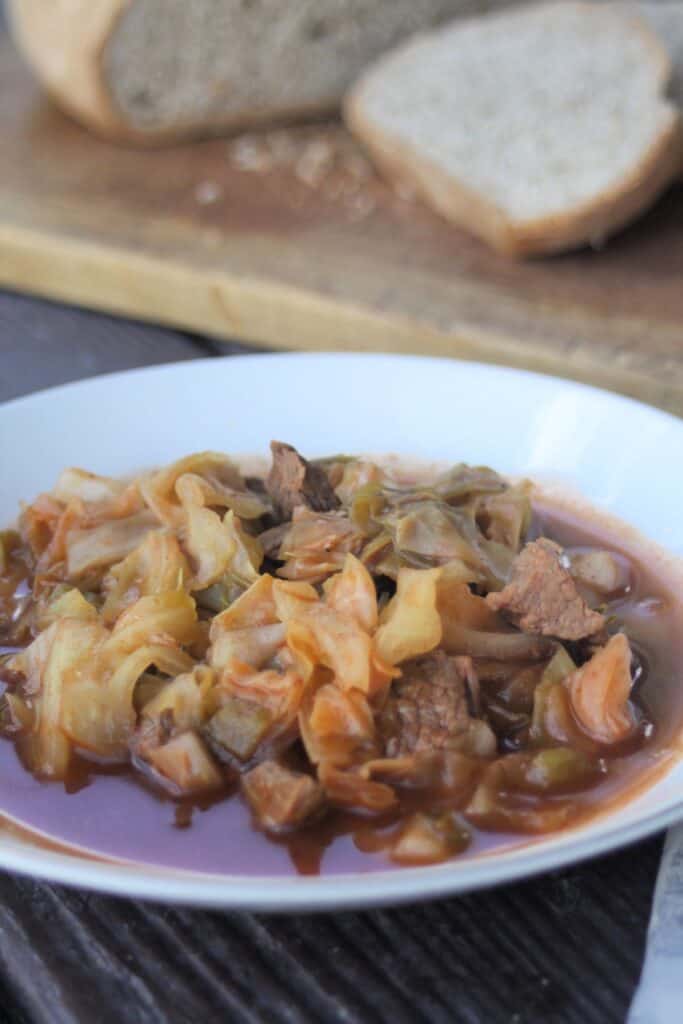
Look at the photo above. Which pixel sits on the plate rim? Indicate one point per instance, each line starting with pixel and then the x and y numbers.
pixel 317 894
pixel 345 356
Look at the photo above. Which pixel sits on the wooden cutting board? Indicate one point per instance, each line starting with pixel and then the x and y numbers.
pixel 289 240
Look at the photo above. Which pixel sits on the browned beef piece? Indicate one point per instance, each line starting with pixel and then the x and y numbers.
pixel 427 710
pixel 541 596
pixel 293 481
pixel 280 798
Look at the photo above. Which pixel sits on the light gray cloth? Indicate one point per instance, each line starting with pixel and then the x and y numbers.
pixel 659 997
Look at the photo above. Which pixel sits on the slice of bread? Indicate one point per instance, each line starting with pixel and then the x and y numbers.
pixel 151 70
pixel 538 129
pixel 665 18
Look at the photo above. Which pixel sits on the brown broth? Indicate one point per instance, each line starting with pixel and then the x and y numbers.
pixel 114 813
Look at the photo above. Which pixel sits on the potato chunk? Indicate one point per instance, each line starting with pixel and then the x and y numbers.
pixel 279 798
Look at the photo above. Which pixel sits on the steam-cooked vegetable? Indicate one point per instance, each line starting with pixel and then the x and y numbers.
pixel 337 726
pixel 599 570
pixel 430 532
pixel 100 547
pixel 338 644
pixel 338 635
pixel 155 566
pixel 185 765
pixel 410 624
pixel 207 478
pixel 281 799
pixel 559 769
pixel 428 839
pixel 462 482
pixel 350 789
pixel 352 592
pixel 237 728
pixel 470 627
pixel 68 603
pixel 185 697
pixel 552 720
pixel 172 614
pixel 15 715
pixel 599 692
pixel 88 487
pixel 316 544
pixel 98 713
pixel 505 517
pixel 45 666
pixel 357 475
pixel 219 548
pixel 414 771
pixel 293 598
pixel 508 797
pixel 255 646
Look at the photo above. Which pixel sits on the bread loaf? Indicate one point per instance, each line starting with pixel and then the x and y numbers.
pixel 150 70
pixel 538 129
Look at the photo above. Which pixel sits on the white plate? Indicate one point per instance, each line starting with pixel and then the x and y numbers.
pixel 624 456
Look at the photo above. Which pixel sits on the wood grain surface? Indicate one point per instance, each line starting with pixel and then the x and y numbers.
pixel 289 240
pixel 565 948
pixel 562 949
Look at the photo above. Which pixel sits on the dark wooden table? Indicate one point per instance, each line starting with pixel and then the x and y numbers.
pixel 565 947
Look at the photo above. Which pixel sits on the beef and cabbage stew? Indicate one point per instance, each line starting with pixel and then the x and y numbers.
pixel 346 649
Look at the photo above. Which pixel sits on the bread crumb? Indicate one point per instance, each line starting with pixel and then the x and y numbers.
pixel 357 166
pixel 249 153
pixel 360 207
pixel 212 237
pixel 208 192
pixel 333 189
pixel 404 192
pixel 282 147
pixel 324 162
pixel 315 163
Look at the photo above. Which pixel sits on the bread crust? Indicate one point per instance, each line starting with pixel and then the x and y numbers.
pixel 64 43
pixel 590 222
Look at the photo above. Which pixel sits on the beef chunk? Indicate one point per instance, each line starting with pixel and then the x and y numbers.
pixel 542 597
pixel 293 481
pixel 280 798
pixel 427 710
